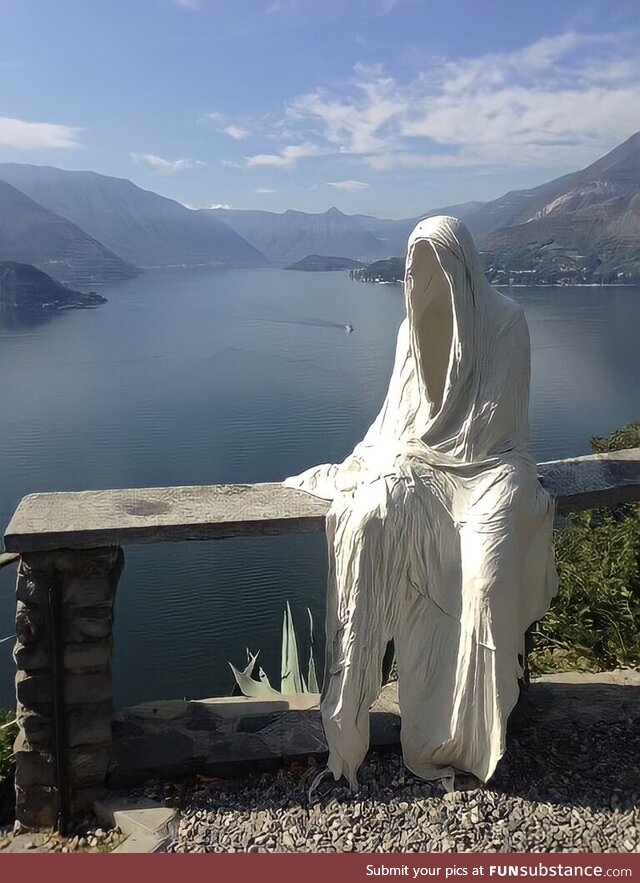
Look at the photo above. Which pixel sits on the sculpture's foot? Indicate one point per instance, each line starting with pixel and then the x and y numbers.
pixel 466 782
pixel 313 790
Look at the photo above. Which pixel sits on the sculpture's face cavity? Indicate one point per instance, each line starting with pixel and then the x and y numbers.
pixel 430 310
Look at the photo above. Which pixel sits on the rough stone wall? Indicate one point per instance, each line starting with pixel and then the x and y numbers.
pixel 71 593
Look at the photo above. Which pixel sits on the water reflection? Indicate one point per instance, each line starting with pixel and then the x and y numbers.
pixel 16 320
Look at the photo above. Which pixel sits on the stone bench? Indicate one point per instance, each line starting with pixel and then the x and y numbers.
pixel 70 561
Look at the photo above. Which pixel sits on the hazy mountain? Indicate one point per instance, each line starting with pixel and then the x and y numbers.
pixel 32 234
pixel 394 234
pixel 615 174
pixel 291 236
pixel 23 286
pixel 588 220
pixel 140 226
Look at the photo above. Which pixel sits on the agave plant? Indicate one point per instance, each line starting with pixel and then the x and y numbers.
pixel 291 678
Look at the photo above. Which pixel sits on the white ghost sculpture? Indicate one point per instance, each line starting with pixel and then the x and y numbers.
pixel 439 534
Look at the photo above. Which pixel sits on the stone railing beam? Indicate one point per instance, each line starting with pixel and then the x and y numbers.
pixel 88 519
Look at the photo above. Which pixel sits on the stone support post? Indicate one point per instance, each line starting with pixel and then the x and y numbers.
pixel 64 618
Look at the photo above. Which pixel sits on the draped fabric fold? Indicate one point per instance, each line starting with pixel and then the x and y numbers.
pixel 439 534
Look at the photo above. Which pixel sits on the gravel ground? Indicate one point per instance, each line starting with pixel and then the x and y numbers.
pixel 85 837
pixel 565 788
pixel 561 789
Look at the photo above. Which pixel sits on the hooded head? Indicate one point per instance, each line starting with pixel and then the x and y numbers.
pixel 466 350
pixel 459 391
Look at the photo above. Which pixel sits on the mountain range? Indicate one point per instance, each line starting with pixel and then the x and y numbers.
pixel 140 226
pixel 30 233
pixel 86 227
pixel 291 236
pixel 585 221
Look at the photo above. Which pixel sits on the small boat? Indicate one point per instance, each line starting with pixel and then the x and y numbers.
pixel 348 328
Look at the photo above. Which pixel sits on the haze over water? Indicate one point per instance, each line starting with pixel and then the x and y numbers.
pixel 214 376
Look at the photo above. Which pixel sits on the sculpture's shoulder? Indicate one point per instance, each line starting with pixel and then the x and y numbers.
pixel 508 310
pixel 507 303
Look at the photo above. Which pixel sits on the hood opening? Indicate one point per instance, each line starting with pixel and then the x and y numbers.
pixel 431 319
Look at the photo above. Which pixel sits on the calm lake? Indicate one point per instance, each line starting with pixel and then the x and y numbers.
pixel 239 376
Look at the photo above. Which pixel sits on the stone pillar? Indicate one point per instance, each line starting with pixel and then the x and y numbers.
pixel 63 651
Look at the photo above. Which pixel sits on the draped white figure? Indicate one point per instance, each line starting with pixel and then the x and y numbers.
pixel 439 534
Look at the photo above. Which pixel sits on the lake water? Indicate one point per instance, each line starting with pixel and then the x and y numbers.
pixel 239 376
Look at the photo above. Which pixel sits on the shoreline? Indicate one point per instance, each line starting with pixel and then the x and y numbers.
pixel 521 285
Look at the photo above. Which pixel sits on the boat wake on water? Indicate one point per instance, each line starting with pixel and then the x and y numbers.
pixel 317 323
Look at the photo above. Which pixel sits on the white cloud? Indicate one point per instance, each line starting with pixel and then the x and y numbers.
pixel 235 132
pixel 166 165
pixel 349 185
pixel 543 105
pixel 560 100
pixel 288 156
pixel 32 136
pixel 262 190
pixel 362 123
pixel 224 205
pixel 280 6
pixel 390 5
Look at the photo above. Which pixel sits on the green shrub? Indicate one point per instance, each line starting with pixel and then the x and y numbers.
pixel 594 621
pixel 621 439
pixel 8 733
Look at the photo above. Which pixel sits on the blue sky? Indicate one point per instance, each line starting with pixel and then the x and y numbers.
pixel 387 107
